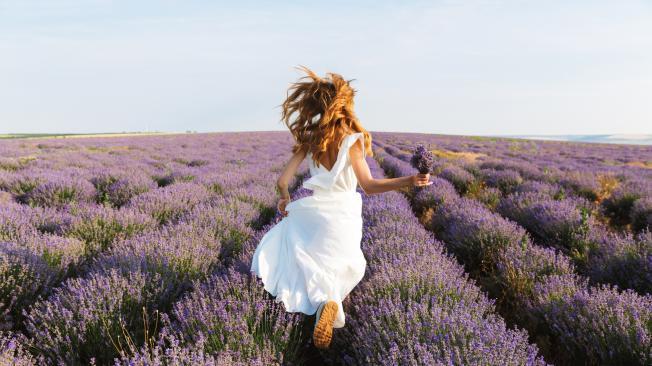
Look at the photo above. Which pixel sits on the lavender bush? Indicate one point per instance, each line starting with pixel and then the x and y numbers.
pixel 462 180
pixel 96 317
pixel 549 189
pixel 619 205
pixel 641 214
pixel 118 187
pixel 18 221
pixel 583 183
pixel 558 223
pixel 59 190
pixel 623 260
pixel 169 203
pixel 505 180
pixel 474 234
pixel 20 184
pixel 432 196
pixel 100 227
pixel 597 325
pixel 489 196
pixel 232 311
pixel 169 350
pixel 30 268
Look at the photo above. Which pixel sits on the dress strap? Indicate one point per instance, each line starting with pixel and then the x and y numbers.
pixel 327 178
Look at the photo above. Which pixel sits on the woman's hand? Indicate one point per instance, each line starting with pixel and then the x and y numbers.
pixel 421 180
pixel 282 202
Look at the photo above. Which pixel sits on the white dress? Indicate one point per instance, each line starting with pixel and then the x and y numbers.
pixel 313 254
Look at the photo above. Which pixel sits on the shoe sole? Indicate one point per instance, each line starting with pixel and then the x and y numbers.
pixel 323 332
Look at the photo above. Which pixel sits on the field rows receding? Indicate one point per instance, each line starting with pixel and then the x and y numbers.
pixel 538 287
pixel 139 248
pixel 102 238
pixel 143 252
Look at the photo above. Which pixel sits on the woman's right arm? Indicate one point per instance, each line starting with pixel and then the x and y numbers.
pixel 371 185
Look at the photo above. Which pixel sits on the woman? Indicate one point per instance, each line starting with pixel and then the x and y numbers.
pixel 312 259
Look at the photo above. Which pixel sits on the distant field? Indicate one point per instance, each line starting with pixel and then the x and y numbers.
pixel 636 139
pixel 640 139
pixel 78 135
pixel 30 135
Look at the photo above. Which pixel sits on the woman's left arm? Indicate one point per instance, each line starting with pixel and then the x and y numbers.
pixel 371 185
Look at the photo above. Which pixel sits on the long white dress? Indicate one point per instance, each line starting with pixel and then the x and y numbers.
pixel 313 254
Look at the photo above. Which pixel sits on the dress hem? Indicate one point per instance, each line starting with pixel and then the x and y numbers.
pixel 282 300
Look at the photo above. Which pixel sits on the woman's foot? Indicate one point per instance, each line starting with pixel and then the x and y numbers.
pixel 323 332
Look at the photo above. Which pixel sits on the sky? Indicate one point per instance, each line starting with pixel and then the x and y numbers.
pixel 449 67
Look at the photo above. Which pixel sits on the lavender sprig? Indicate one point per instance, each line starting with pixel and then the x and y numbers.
pixel 422 159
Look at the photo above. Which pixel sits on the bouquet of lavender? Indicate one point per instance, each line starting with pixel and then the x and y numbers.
pixel 422 159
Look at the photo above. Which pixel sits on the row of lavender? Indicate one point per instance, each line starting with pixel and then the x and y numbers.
pixel 617 178
pixel 416 317
pixel 394 317
pixel 536 287
pixel 560 213
pixel 415 305
pixel 199 328
pixel 430 315
pixel 101 240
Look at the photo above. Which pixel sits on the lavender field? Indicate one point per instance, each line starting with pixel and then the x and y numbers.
pixel 136 250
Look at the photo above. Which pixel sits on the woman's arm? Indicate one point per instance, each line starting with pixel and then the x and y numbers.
pixel 283 180
pixel 289 171
pixel 371 185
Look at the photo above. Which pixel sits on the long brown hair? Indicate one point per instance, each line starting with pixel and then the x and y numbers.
pixel 331 99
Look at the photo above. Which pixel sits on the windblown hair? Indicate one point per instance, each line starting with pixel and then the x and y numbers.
pixel 324 112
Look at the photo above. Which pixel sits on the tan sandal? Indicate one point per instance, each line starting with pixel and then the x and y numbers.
pixel 323 332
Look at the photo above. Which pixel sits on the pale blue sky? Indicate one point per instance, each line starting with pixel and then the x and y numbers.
pixel 453 67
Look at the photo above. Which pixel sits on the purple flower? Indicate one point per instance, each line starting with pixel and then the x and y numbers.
pixel 422 159
pixel 13 351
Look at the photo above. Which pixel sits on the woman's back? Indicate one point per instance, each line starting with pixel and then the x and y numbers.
pixel 340 177
pixel 333 149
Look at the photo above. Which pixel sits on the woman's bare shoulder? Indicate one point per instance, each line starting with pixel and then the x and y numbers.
pixel 357 147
